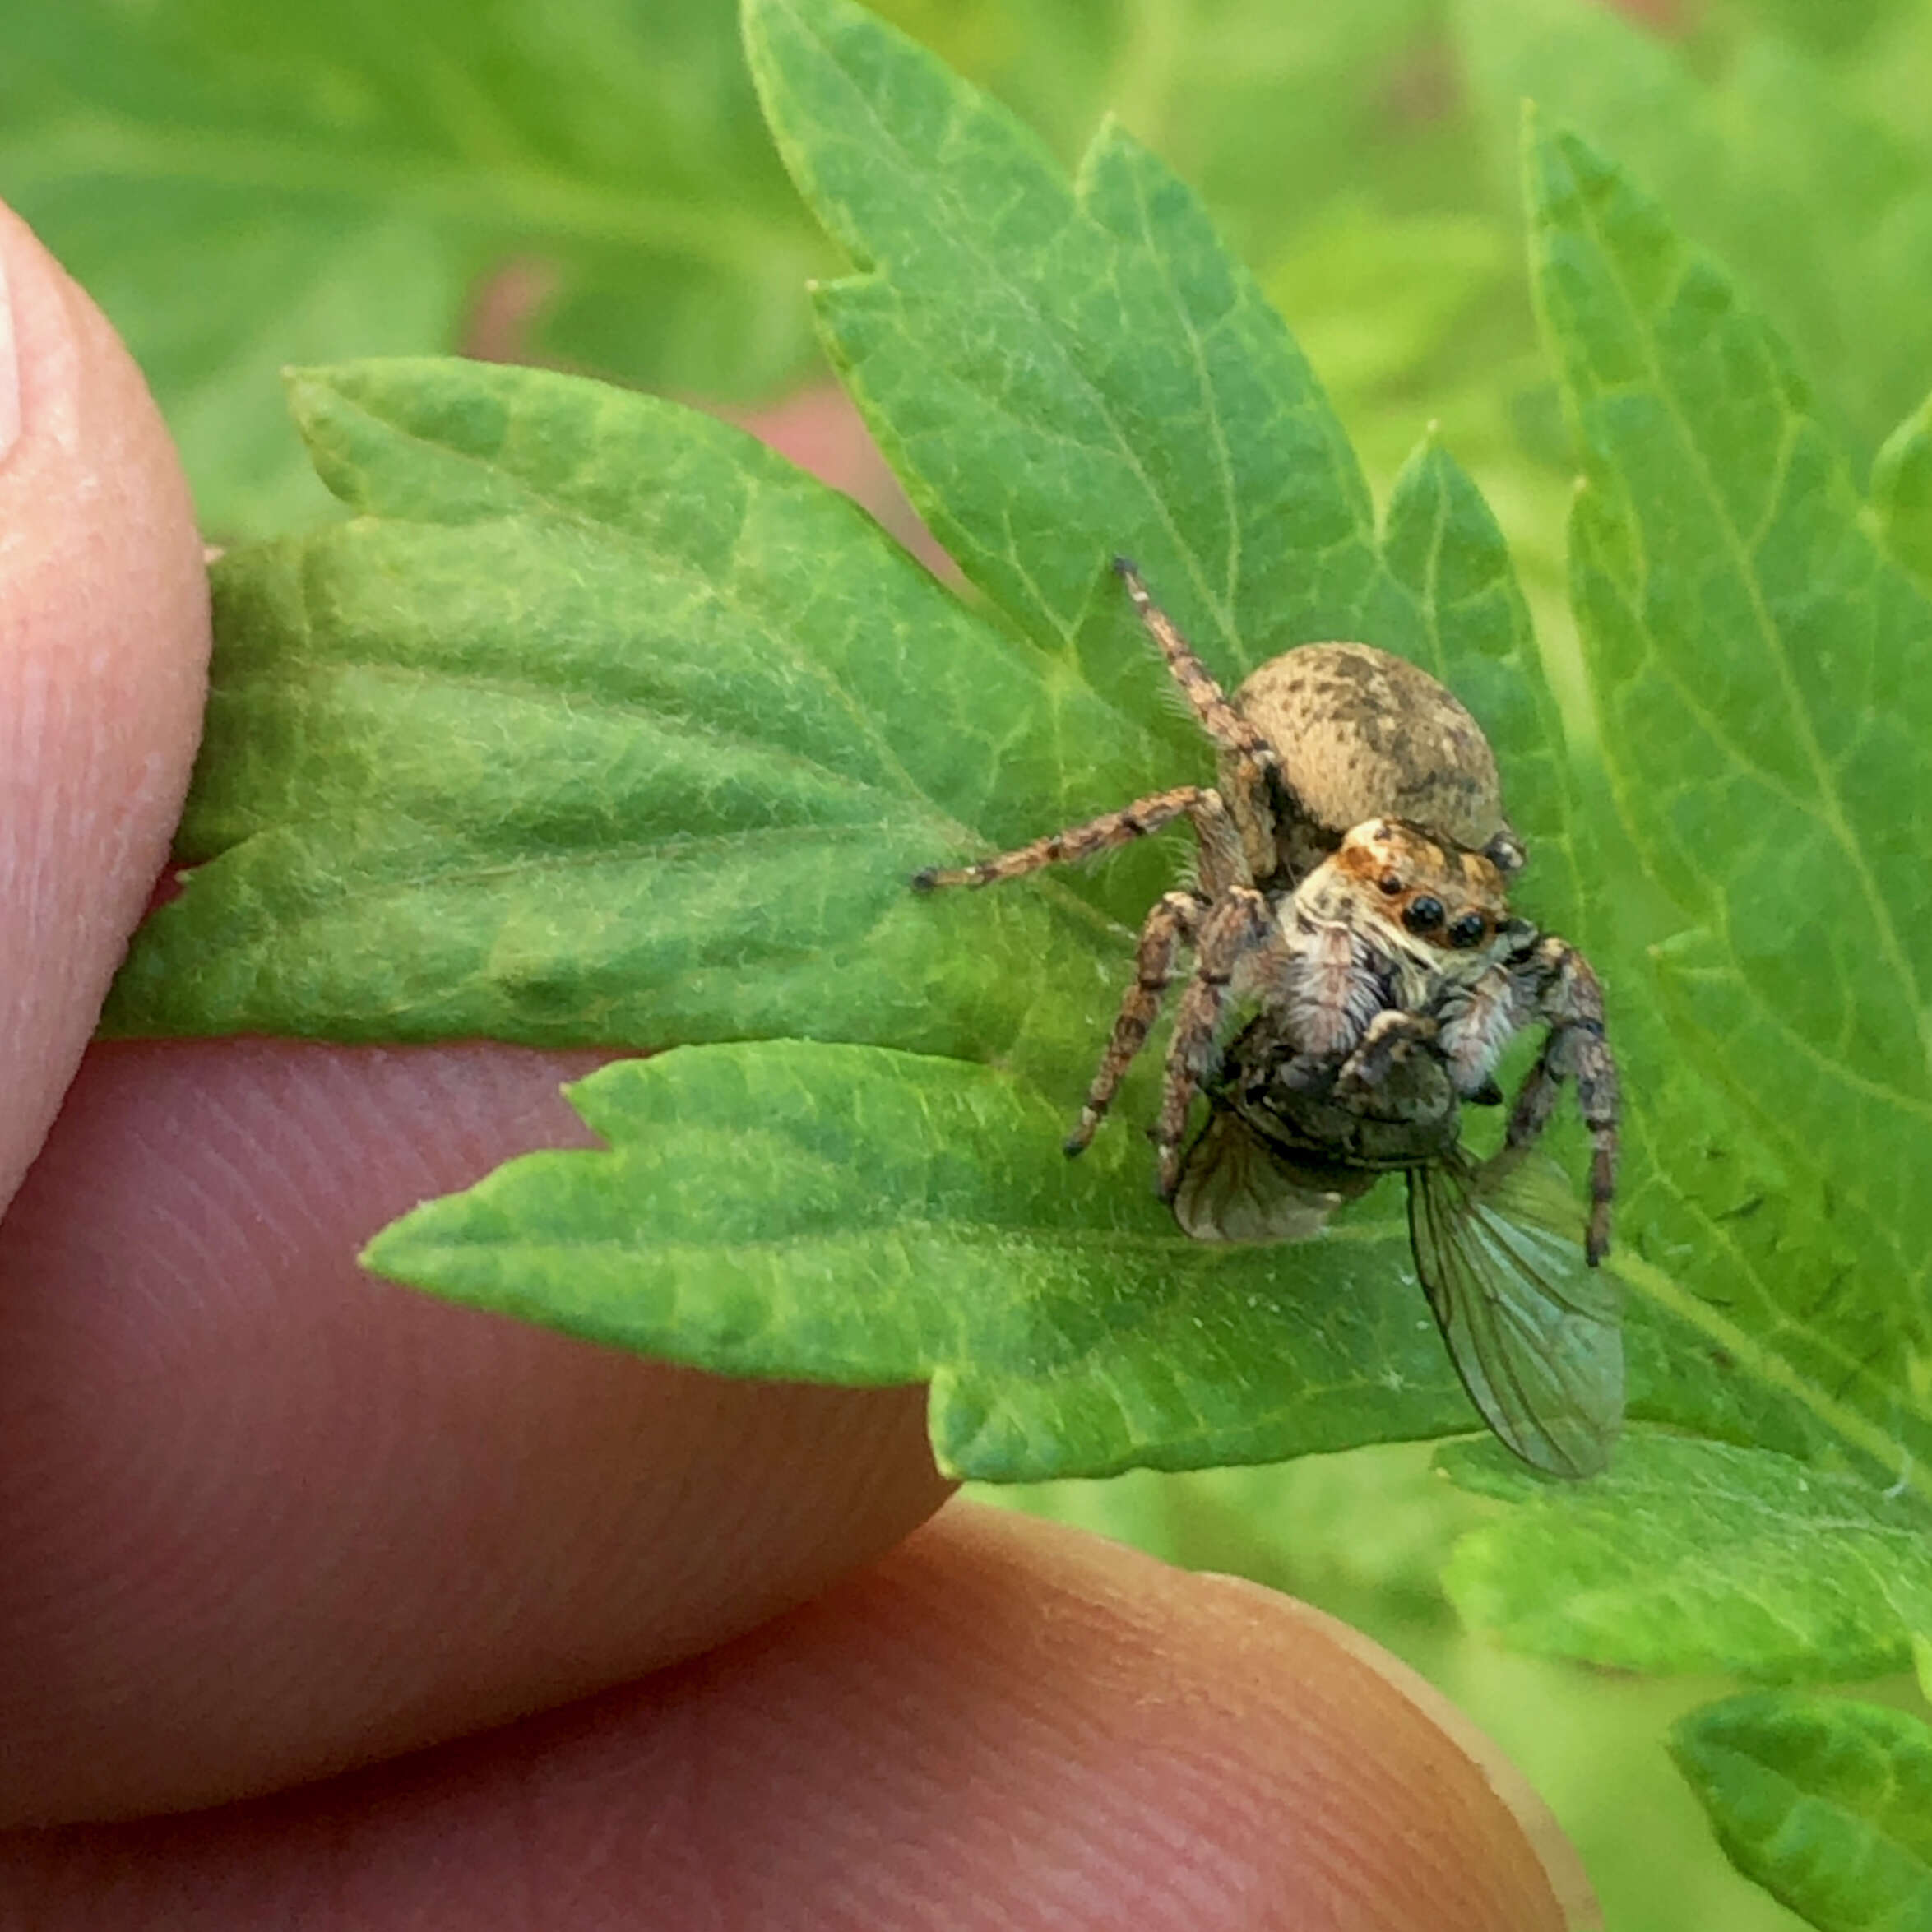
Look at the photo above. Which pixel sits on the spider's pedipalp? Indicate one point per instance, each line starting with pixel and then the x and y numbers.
pixel 1390 1033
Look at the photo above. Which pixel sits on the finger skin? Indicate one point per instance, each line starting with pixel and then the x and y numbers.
pixel 267 1517
pixel 104 642
pixel 1002 1723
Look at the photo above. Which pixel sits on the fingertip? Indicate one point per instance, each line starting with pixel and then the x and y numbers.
pixel 1300 1761
pixel 103 640
pixel 1003 1722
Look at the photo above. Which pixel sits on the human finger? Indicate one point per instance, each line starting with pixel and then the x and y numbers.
pixel 103 640
pixel 1002 1722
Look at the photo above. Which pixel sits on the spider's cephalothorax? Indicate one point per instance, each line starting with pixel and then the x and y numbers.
pixel 1350 880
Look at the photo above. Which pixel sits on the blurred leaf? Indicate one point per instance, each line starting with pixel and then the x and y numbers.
pixel 1902 493
pixel 1697 1556
pixel 857 1216
pixel 1764 701
pixel 1814 204
pixel 242 189
pixel 1890 71
pixel 1827 1804
pixel 1372 300
pixel 1833 26
pixel 600 722
pixel 1239 95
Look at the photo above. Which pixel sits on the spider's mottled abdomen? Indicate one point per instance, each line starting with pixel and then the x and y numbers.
pixel 1360 734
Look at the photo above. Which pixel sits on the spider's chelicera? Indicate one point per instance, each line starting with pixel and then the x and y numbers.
pixel 1350 889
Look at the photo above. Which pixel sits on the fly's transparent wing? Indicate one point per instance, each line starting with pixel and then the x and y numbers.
pixel 1533 1330
pixel 1234 1187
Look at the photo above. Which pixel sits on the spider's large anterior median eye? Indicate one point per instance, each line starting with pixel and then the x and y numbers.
pixel 1468 930
pixel 1424 913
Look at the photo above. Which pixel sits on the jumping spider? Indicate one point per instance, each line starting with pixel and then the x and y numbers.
pixel 1349 879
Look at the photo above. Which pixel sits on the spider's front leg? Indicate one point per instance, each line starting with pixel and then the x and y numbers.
pixel 1221 856
pixel 1557 986
pixel 1233 930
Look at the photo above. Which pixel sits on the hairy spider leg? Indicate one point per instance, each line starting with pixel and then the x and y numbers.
pixel 1248 758
pixel 1220 843
pixel 1237 926
pixel 1174 922
pixel 1567 998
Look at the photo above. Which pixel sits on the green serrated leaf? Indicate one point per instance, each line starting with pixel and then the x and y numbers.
pixel 1760 675
pixel 857 1216
pixel 1826 1804
pixel 600 723
pixel 1697 1556
pixel 1441 543
pixel 1061 373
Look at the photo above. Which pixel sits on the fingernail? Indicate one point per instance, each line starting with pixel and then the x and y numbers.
pixel 9 370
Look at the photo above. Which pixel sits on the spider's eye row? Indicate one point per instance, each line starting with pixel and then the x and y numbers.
pixel 1390 882
pixel 1468 930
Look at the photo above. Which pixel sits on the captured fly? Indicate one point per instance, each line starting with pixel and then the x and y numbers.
pixel 1533 1330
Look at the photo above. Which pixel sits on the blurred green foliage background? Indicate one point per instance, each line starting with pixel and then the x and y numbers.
pixel 588 184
